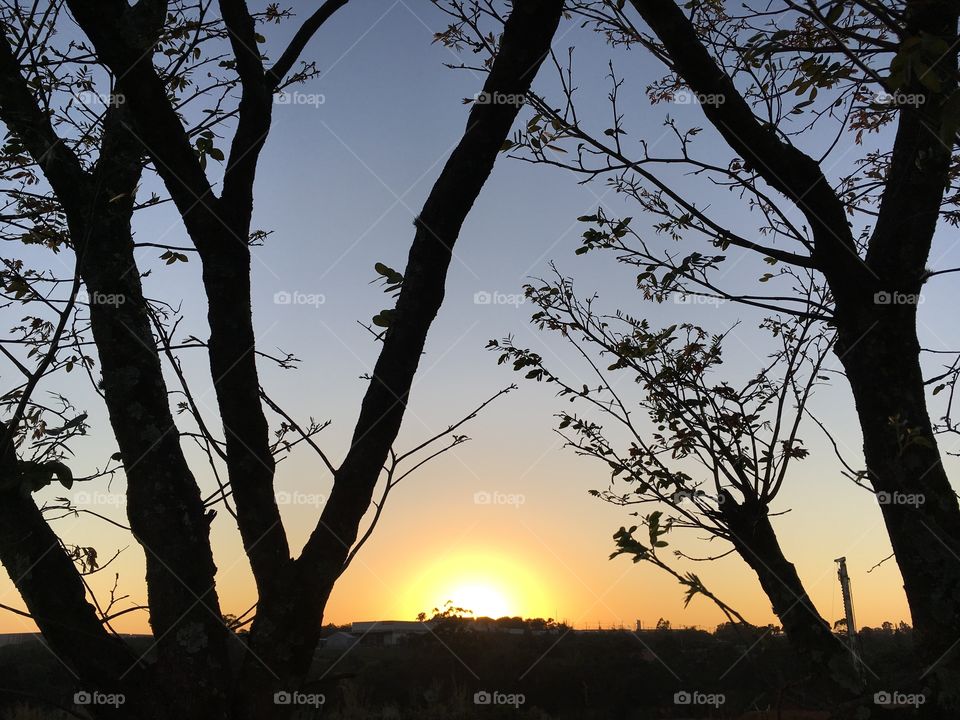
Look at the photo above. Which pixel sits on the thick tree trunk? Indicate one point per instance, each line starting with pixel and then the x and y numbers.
pixel 824 656
pixel 880 354
pixel 164 505
pixel 47 580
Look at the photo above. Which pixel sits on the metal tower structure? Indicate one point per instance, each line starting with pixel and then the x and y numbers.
pixel 852 638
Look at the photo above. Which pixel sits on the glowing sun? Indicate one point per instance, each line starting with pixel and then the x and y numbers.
pixel 486 582
pixel 482 599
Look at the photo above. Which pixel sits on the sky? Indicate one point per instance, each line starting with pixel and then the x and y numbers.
pixel 503 524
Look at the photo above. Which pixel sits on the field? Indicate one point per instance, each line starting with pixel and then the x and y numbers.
pixel 555 676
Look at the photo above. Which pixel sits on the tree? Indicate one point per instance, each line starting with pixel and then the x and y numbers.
pixel 787 91
pixel 713 452
pixel 90 206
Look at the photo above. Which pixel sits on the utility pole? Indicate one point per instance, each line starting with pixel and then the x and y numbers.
pixel 852 638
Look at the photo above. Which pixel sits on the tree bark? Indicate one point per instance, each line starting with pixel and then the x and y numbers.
pixel 823 655
pixel 918 504
pixel 164 506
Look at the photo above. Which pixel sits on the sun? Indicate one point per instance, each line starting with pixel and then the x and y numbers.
pixel 482 599
pixel 484 580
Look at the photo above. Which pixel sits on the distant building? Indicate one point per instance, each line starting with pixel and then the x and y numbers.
pixel 388 632
pixel 393 632
pixel 339 641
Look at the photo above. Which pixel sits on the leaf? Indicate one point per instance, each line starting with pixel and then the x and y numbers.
pixel 384 318
pixel 171 257
pixel 392 280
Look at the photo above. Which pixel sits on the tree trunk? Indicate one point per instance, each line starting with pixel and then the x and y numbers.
pixel 824 656
pixel 164 505
pixel 47 580
pixel 287 627
pixel 880 354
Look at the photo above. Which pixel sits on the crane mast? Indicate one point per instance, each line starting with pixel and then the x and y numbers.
pixel 845 589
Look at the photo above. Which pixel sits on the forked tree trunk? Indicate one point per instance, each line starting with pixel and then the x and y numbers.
pixel 287 627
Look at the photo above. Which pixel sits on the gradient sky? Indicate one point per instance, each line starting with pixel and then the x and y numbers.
pixel 339 184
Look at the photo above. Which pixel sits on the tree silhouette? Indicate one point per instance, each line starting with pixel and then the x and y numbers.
pixel 715 454
pixel 148 52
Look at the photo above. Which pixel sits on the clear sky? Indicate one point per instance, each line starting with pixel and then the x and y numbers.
pixel 339 184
